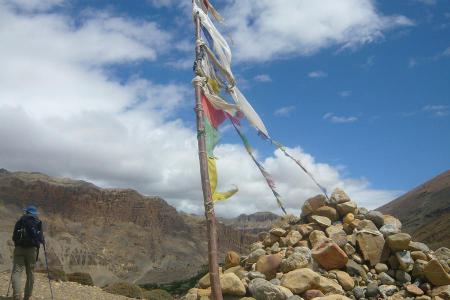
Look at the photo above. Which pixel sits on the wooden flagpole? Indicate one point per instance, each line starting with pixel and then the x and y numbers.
pixel 211 227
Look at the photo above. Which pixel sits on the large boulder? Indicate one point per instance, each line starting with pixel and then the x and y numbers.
pixel 232 285
pixel 329 255
pixel 346 207
pixel 296 260
pixel 301 280
pixel 328 286
pixel 269 265
pixel 255 255
pixel 376 217
pixel 398 241
pixel 312 204
pixel 436 274
pixel 327 211
pixel 339 196
pixel 390 220
pixel 264 290
pixel 231 260
pixel 316 237
pixel 389 229
pixel 345 280
pixel 292 238
pixel 311 294
pixel 442 292
pixel 337 234
pixel 321 221
pixel 371 246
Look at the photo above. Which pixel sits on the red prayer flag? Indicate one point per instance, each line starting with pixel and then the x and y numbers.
pixel 215 116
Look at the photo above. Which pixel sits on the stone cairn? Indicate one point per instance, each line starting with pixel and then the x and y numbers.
pixel 335 250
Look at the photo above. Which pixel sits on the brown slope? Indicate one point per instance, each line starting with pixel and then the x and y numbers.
pixel 425 211
pixel 110 233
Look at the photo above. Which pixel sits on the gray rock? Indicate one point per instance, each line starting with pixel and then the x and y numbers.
pixel 305 251
pixel 295 261
pixel 275 281
pixel 355 269
pixel 372 289
pixel 386 279
pixel 255 274
pixel 387 290
pixel 359 292
pixel 404 259
pixel 380 268
pixel 402 276
pixel 388 230
pixel 262 289
pixel 362 211
pixel 255 255
pixel 418 246
pixel 376 217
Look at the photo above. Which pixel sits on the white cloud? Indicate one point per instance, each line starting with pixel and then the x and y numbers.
pixel 345 94
pixel 339 119
pixel 284 111
pixel 263 78
pixel 266 29
pixel 446 52
pixel 64 113
pixel 317 74
pixel 34 5
pixel 412 63
pixel 428 2
pixel 437 110
pixel 370 61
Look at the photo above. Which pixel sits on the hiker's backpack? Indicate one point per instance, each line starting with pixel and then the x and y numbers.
pixel 26 232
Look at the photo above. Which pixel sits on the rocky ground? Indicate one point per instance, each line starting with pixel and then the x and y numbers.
pixel 61 290
pixel 335 250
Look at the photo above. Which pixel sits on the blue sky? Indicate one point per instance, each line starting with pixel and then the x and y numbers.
pixel 358 89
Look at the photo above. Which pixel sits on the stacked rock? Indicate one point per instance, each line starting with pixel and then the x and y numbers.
pixel 335 250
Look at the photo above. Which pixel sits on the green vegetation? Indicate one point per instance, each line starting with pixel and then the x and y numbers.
pixel 124 289
pixel 55 274
pixel 157 295
pixel 178 287
pixel 81 278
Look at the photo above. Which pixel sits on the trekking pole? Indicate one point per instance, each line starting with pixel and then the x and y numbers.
pixel 48 272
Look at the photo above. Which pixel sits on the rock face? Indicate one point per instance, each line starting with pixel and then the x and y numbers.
pixel 111 234
pixel 351 258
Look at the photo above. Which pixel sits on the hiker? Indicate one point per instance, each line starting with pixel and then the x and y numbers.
pixel 27 238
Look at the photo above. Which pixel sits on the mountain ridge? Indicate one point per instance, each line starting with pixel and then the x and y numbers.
pixel 111 233
pixel 425 211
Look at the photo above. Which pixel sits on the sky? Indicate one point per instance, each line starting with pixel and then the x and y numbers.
pixel 358 90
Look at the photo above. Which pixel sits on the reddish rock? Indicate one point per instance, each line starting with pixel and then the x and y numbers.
pixel 311 294
pixel 329 255
pixel 413 289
